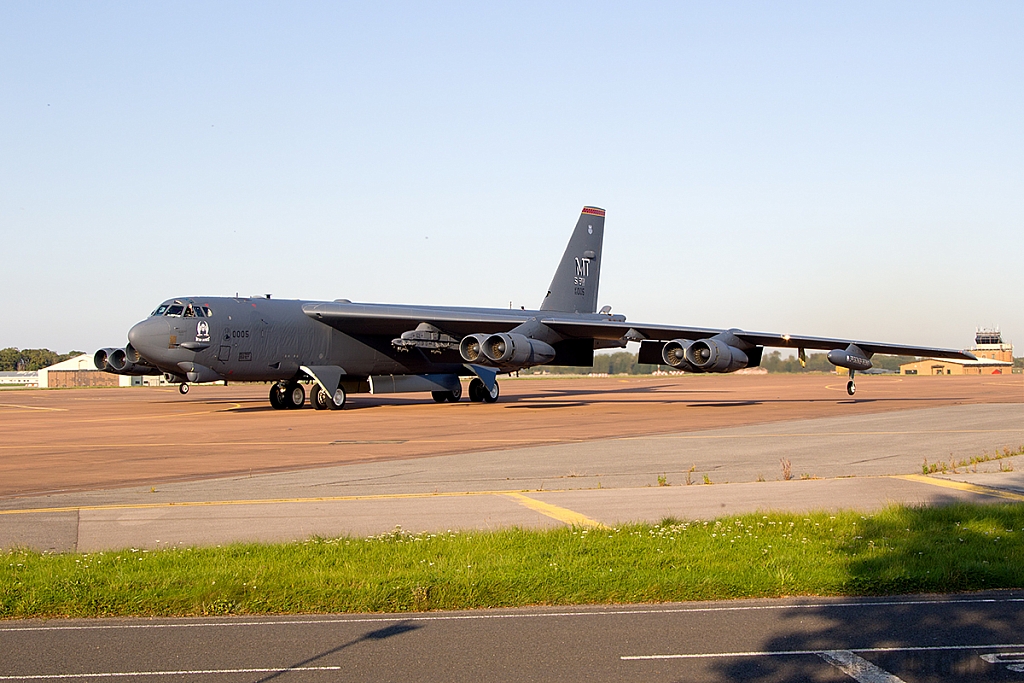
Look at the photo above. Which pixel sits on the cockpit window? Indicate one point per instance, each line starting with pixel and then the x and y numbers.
pixel 207 311
pixel 190 312
pixel 175 310
pixel 200 313
pixel 160 310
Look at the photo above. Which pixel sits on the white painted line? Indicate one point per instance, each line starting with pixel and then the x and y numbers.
pixel 194 672
pixel 788 653
pixel 1014 661
pixel 512 615
pixel 858 668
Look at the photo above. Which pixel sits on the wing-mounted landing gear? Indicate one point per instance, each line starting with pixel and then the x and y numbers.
pixel 851 386
pixel 452 396
pixel 285 395
pixel 478 391
pixel 183 388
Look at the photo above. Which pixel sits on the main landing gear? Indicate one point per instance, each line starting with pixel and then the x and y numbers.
pixel 851 387
pixel 478 391
pixel 449 396
pixel 287 395
pixel 322 401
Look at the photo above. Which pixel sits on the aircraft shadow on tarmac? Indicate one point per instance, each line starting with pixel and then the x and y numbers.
pixel 920 621
pixel 379 634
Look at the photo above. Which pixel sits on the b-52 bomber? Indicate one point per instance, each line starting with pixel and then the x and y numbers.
pixel 339 347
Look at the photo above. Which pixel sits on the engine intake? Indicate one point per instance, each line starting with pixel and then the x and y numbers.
pixel 517 350
pixel 674 354
pixel 471 348
pixel 714 355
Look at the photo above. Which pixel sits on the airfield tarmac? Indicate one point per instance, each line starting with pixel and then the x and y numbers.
pixel 107 468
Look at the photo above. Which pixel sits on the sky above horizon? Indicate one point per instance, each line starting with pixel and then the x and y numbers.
pixel 849 170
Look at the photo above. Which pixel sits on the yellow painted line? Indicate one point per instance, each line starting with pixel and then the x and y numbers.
pixel 1011 430
pixel 961 486
pixel 233 406
pixel 207 444
pixel 21 407
pixel 553 511
pixel 277 501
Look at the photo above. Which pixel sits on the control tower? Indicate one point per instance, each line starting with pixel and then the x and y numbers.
pixel 988 343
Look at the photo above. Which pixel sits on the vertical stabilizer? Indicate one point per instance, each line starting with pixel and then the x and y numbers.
pixel 574 287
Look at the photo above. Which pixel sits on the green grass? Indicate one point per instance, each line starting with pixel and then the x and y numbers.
pixel 900 550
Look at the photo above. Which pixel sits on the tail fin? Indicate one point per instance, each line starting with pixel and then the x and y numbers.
pixel 574 287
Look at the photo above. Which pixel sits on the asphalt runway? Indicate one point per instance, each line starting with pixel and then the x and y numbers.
pixel 919 639
pixel 604 469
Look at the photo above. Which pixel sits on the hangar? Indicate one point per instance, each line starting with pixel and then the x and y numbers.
pixel 80 371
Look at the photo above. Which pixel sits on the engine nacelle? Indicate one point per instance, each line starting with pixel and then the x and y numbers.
pixel 674 354
pixel 102 360
pixel 714 355
pixel 471 348
pixel 517 350
pixel 851 358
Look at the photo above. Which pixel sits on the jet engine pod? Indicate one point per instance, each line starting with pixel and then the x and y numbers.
pixel 674 354
pixel 516 350
pixel 471 348
pixel 851 358
pixel 714 355
pixel 118 360
pixel 102 359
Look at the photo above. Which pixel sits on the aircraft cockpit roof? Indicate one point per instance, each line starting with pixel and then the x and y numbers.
pixel 179 308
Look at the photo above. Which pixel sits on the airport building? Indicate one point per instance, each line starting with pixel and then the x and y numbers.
pixel 21 378
pixel 81 371
pixel 994 358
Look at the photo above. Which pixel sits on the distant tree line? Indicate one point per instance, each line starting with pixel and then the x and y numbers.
pixel 15 360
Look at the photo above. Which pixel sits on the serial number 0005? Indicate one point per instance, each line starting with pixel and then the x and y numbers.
pixel 240 334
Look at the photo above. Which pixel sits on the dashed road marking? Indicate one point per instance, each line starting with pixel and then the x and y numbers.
pixel 858 668
pixel 189 672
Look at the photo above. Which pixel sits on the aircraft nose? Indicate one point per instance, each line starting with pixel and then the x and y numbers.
pixel 148 337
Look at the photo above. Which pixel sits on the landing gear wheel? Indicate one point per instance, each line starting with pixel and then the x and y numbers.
pixel 851 388
pixel 183 388
pixel 477 390
pixel 294 395
pixel 277 396
pixel 454 396
pixel 318 397
pixel 439 396
pixel 337 402
pixel 491 396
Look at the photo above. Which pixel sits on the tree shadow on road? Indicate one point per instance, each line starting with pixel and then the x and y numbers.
pixel 934 550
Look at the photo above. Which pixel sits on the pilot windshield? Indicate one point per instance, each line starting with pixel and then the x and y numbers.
pixel 160 310
pixel 175 310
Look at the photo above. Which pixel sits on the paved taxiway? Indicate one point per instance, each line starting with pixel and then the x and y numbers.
pixel 916 639
pixel 596 462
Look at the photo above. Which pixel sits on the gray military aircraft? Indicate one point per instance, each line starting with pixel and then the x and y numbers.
pixel 342 347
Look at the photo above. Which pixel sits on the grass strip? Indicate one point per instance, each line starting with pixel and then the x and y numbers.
pixel 899 550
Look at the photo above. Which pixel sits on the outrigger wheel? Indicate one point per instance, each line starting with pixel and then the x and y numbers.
pixel 183 388
pixel 851 387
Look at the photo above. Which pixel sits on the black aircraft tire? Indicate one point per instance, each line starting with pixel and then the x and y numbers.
pixel 294 395
pixel 338 402
pixel 183 388
pixel 477 390
pixel 439 396
pixel 491 397
pixel 277 397
pixel 851 388
pixel 318 397
pixel 454 396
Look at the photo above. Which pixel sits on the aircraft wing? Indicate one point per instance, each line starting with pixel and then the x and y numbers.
pixel 391 319
pixel 617 330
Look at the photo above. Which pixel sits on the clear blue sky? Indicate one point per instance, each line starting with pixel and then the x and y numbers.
pixel 839 169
